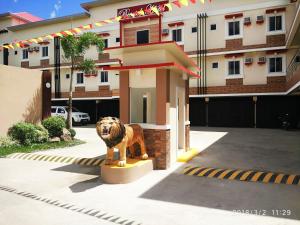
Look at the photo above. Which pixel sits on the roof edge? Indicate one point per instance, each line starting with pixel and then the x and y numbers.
pixel 49 21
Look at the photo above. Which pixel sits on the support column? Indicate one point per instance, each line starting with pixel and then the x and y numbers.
pixel 46 93
pixel 187 115
pixel 124 97
pixel 162 95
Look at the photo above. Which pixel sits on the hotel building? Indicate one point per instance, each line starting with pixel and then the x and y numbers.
pixel 247 51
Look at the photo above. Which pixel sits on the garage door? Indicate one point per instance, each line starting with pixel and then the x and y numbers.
pixel 222 112
pixel 269 108
pixel 231 112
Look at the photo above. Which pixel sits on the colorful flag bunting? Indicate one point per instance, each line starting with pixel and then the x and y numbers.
pixel 184 2
pixel 153 10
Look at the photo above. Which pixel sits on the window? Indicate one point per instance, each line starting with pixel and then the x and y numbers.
pixel 61 110
pixel 275 65
pixel 215 65
pixel 53 110
pixel 25 54
pixel 79 78
pixel 16 52
pixel 234 68
pixel 104 77
pixel 233 28
pixel 194 29
pixel 45 51
pixel 275 23
pixel 142 37
pixel 105 43
pixel 67 76
pixel 213 27
pixel 177 35
pixel 117 39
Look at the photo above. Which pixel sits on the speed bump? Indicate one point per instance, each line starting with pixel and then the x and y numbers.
pixel 243 175
pixel 58 159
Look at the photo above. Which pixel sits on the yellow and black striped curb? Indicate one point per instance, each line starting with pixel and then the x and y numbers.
pixel 96 213
pixel 58 159
pixel 243 175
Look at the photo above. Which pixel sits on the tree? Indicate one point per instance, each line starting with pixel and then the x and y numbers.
pixel 74 48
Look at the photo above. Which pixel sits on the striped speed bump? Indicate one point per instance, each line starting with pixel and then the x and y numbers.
pixel 243 175
pixel 96 213
pixel 58 159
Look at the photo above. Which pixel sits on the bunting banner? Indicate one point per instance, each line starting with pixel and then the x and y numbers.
pixel 154 9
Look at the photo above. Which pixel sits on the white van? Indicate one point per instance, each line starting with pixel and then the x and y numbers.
pixel 77 116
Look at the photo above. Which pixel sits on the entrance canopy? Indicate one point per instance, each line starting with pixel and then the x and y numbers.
pixel 153 55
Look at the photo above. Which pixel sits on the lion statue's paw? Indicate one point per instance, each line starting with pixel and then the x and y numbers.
pixel 108 161
pixel 122 163
pixel 145 156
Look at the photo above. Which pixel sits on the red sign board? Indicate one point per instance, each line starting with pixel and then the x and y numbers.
pixel 146 7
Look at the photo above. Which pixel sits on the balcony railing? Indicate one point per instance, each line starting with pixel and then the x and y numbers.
pixel 294 65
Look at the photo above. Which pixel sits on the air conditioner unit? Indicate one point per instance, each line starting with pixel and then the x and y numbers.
pixel 36 48
pixel 165 31
pixel 248 61
pixel 261 60
pixel 247 20
pixel 260 19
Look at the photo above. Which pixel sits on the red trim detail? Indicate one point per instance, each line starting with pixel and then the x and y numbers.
pixel 165 34
pixel 248 64
pixel 44 43
pixel 176 24
pixel 271 52
pixel 139 19
pixel 104 34
pixel 261 63
pixel 269 11
pixel 157 65
pixel 236 55
pixel 236 15
pixel 260 21
pixel 247 23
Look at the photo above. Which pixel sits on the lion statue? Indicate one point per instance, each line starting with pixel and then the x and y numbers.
pixel 117 135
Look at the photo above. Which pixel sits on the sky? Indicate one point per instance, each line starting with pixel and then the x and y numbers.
pixel 43 8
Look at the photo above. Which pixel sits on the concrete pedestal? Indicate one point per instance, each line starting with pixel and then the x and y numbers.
pixel 134 169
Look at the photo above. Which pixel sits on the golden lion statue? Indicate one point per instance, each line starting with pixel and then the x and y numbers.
pixel 117 135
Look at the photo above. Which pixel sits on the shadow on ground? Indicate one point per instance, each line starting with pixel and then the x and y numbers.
pixel 261 149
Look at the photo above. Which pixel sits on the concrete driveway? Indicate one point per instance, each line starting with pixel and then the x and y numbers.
pixel 35 192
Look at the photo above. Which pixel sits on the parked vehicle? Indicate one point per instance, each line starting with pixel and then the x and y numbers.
pixel 285 121
pixel 77 116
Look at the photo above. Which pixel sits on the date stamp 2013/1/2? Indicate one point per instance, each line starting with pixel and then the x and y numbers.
pixel 265 212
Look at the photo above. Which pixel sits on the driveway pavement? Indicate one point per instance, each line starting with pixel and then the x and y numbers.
pixel 38 192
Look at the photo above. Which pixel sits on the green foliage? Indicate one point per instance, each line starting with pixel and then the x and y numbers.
pixel 43 134
pixel 87 66
pixel 27 133
pixel 77 46
pixel 7 142
pixel 73 132
pixel 54 125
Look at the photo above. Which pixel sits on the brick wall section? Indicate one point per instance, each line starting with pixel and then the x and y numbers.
pixel 103 91
pixel 44 63
pixel 103 56
pixel 158 146
pixel 274 84
pixel 233 44
pixel 187 137
pixel 25 64
pixel 238 81
pixel 236 44
pixel 130 34
pixel 293 79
